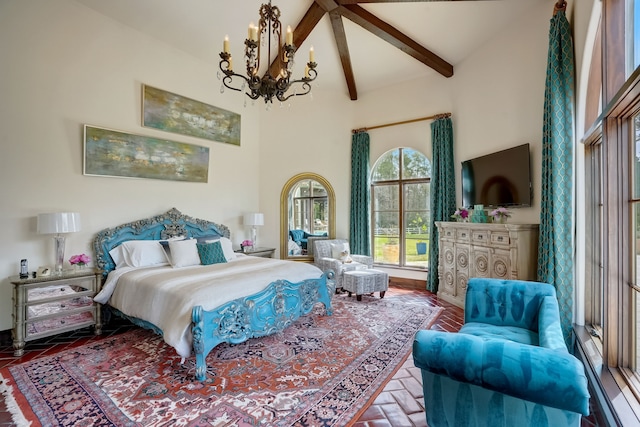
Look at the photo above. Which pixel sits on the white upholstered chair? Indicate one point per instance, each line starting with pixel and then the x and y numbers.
pixel 330 255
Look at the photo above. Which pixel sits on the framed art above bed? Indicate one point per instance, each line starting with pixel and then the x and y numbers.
pixel 113 153
pixel 212 295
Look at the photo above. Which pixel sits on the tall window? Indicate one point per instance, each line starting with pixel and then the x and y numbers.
pixel 612 298
pixel 400 192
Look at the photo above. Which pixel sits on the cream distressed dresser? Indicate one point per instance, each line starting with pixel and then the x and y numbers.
pixel 502 251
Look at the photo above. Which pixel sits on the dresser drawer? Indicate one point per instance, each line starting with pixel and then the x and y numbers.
pixel 463 235
pixel 449 233
pixel 480 237
pixel 55 292
pixel 58 307
pixel 51 325
pixel 500 239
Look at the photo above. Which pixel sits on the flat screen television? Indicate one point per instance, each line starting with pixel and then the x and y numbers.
pixel 498 179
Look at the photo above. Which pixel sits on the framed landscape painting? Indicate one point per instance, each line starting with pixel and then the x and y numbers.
pixel 174 113
pixel 113 153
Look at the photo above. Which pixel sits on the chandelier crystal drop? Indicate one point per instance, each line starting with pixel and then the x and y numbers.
pixel 276 79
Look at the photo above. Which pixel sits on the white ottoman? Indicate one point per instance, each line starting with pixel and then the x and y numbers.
pixel 365 282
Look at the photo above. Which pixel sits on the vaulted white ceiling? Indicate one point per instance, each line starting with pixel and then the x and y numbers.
pixel 451 30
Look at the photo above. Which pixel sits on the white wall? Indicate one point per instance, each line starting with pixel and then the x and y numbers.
pixel 64 65
pixel 314 135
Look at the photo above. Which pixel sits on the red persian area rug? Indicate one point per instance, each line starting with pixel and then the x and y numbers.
pixel 320 371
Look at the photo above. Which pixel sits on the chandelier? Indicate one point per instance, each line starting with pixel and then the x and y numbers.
pixel 276 81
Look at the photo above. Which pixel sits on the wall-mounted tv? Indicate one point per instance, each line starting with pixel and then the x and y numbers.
pixel 498 179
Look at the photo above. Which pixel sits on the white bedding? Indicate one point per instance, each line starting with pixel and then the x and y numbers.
pixel 165 296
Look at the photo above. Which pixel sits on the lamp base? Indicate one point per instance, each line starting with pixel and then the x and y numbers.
pixel 254 234
pixel 59 243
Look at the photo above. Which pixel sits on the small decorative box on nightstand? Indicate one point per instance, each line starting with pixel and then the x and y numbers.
pixel 50 305
pixel 261 252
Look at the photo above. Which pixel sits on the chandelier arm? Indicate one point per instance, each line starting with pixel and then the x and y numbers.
pixel 253 95
pixel 306 87
pixel 227 80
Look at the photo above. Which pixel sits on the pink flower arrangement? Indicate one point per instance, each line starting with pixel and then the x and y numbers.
pixel 246 243
pixel 500 213
pixel 461 213
pixel 80 260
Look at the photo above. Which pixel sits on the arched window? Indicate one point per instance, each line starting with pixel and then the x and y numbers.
pixel 400 189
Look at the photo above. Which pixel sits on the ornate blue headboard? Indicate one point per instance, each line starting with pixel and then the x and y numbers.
pixel 170 224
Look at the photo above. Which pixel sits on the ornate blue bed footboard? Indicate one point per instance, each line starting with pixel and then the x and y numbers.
pixel 264 313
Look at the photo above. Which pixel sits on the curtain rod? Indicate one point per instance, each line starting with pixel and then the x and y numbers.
pixel 435 116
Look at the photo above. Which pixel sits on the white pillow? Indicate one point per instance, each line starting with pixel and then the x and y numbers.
pixel 227 249
pixel 117 255
pixel 138 253
pixel 184 253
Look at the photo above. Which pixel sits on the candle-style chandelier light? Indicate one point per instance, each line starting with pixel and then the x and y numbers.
pixel 276 80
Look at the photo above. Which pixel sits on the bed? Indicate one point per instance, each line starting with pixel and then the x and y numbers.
pixel 195 307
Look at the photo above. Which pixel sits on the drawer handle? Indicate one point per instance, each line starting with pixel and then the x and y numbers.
pixel 500 239
pixel 62 306
pixel 464 234
pixel 63 322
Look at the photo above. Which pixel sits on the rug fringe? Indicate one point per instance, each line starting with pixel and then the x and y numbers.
pixel 12 406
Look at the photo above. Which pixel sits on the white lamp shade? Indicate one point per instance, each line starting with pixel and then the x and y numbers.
pixel 58 222
pixel 253 219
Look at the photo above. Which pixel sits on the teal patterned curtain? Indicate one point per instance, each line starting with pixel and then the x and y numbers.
pixel 443 189
pixel 359 235
pixel 555 248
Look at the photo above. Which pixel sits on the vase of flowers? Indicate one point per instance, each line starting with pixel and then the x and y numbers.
pixel 79 262
pixel 246 245
pixel 500 215
pixel 461 215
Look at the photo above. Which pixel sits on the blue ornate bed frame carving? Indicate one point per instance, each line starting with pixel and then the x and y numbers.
pixel 264 313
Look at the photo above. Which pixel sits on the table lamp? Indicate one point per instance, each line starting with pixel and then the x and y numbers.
pixel 254 219
pixel 58 223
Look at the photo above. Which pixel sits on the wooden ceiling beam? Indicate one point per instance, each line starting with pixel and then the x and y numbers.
pixel 327 5
pixel 343 50
pixel 300 33
pixel 308 22
pixel 345 2
pixel 392 35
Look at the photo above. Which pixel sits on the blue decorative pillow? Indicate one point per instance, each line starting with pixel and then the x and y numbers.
pixel 211 253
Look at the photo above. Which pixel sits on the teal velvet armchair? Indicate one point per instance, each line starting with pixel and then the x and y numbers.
pixel 507 366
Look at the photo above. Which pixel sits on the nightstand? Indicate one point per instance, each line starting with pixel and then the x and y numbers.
pixel 46 306
pixel 261 252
